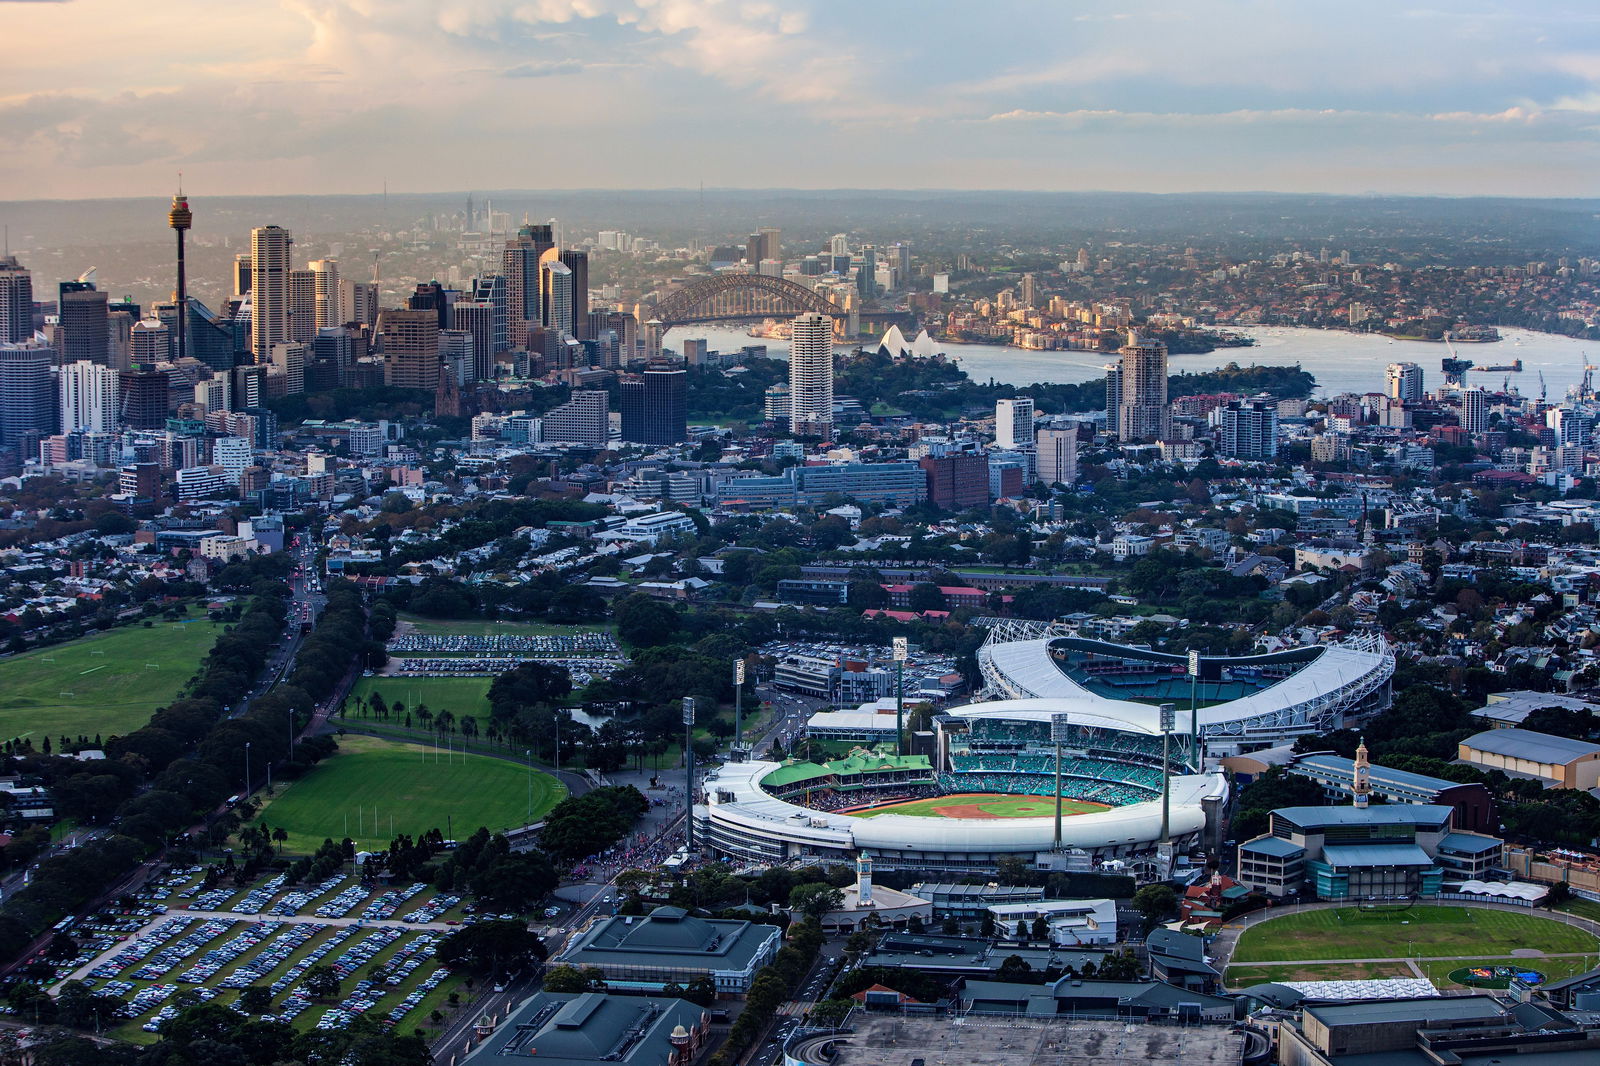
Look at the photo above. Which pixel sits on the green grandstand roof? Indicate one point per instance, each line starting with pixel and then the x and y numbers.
pixel 869 764
pixel 795 772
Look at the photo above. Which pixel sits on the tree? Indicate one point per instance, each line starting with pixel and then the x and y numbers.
pixel 815 899
pixel 257 999
pixel 1155 901
pixel 1015 969
pixel 322 981
pixel 925 596
pixel 644 622
pixel 491 948
pixel 516 880
pixel 525 685
pixel 572 979
pixel 1041 928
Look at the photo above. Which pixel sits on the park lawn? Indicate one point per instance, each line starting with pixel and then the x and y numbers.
pixel 479 627
pixel 109 683
pixel 1244 976
pixel 993 804
pixel 464 697
pixel 373 789
pixel 1422 931
pixel 1583 908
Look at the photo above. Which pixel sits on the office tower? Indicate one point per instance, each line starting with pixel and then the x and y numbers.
pixel 1013 424
pixel 27 398
pixel 430 296
pixel 753 251
pixel 16 302
pixel 359 301
pixel 583 419
pixel 840 265
pixel 302 306
pixel 772 243
pixel 1028 291
pixel 241 275
pixel 476 318
pixel 330 359
pixel 85 329
pixel 655 406
pixel 957 481
pixel 289 363
pixel 411 348
pixel 901 260
pixel 457 355
pixel 180 218
pixel 150 343
pixel 578 263
pixel 838 244
pixel 219 343
pixel 327 295
pixel 1057 454
pixel 214 394
pixel 249 388
pixel 557 299
pixel 1143 414
pixel 1474 410
pixel 1250 429
pixel 811 373
pixel 1403 382
pixel 519 262
pixel 270 248
pixel 492 290
pixel 142 394
pixel 89 401
pixel 867 279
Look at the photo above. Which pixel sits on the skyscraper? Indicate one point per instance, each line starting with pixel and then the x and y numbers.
pixel 241 275
pixel 1403 382
pixel 1113 400
pixel 867 278
pixel 492 290
pixel 1250 429
pixel 16 302
pixel 89 398
pixel 556 284
pixel 1028 291
pixel 519 262
pixel 476 318
pixel 85 325
pixel 578 263
pixel 359 301
pixel 811 374
pixel 302 306
pixel 1474 410
pixel 1144 414
pixel 142 397
pixel 411 348
pixel 583 419
pixel 180 218
pixel 27 401
pixel 151 342
pixel 655 406
pixel 1013 424
pixel 1057 448
pixel 270 248
pixel 327 293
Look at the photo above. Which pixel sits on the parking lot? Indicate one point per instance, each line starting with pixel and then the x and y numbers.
pixel 178 939
pixel 545 646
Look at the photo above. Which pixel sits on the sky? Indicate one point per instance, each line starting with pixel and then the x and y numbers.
pixel 110 98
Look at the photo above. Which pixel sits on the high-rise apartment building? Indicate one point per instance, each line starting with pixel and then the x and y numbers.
pixel 16 302
pixel 1403 382
pixel 1013 424
pixel 89 398
pixel 655 406
pixel 411 348
pixel 583 419
pixel 85 329
pixel 1113 400
pixel 556 284
pixel 811 374
pixel 1057 454
pixel 1250 429
pixel 1144 414
pixel 327 294
pixel 27 399
pixel 270 250
pixel 1474 410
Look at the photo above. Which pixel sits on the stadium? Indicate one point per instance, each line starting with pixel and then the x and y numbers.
pixel 1068 759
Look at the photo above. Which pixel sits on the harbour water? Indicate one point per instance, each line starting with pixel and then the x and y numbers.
pixel 1341 361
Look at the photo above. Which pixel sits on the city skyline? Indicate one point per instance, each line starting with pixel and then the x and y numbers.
pixel 299 98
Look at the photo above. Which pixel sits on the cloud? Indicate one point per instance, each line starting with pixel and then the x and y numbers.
pixel 544 68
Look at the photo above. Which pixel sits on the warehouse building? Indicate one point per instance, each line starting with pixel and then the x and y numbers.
pixel 1559 762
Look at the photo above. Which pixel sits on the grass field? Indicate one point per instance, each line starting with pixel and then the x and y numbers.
pixel 373 789
pixel 984 805
pixel 461 696
pixel 101 684
pixel 1423 931
pixel 1245 976
pixel 478 627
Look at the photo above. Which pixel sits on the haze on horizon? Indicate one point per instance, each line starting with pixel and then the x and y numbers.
pixel 102 99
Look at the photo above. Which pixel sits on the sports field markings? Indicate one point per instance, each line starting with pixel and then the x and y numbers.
pixel 92 669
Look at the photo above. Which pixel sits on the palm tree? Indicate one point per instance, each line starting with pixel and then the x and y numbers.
pixel 423 714
pixel 446 721
pixel 469 726
pixel 280 834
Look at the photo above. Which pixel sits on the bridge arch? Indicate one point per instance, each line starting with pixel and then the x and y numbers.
pixel 736 297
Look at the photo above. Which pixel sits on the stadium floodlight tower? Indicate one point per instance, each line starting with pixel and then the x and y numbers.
pixel 900 653
pixel 738 708
pixel 1060 729
pixel 1194 710
pixel 1168 716
pixel 688 773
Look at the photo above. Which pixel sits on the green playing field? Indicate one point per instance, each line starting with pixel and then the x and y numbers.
pixel 984 805
pixel 1425 930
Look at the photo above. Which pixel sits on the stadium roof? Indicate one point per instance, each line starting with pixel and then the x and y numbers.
pixel 796 772
pixel 1534 747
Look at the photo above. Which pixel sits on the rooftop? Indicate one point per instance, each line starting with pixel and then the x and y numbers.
pixel 670 937
pixel 1375 855
pixel 1535 747
pixel 1433 815
pixel 566 1029
pixel 1423 1011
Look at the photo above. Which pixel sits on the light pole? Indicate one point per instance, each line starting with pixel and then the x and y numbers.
pixel 529 754
pixel 247 769
pixel 900 652
pixel 688 772
pixel 738 704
